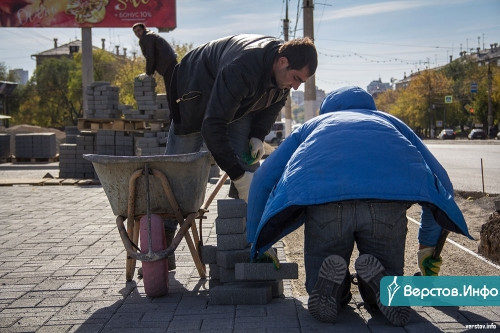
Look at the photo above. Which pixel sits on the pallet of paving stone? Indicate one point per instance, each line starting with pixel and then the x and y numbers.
pixel 95 124
pixel 35 159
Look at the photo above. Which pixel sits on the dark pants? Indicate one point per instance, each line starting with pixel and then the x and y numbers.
pixel 167 79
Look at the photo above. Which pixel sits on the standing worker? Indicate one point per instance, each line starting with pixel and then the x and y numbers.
pixel 159 54
pixel 349 175
pixel 229 92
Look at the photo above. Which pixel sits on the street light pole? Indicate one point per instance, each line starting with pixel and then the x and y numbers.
pixel 310 85
pixel 288 104
pixel 490 107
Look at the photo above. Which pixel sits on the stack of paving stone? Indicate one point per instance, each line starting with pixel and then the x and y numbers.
pixel 162 109
pixel 105 142
pixel 4 147
pixel 124 143
pixel 71 133
pixel 35 146
pixel 233 278
pixel 71 161
pixel 118 143
pixel 102 100
pixel 153 143
pixel 145 96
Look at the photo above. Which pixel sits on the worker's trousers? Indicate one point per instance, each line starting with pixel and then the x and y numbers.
pixel 377 227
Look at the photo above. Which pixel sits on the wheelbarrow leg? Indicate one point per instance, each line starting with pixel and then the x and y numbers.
pixel 192 248
pixel 130 264
pixel 132 225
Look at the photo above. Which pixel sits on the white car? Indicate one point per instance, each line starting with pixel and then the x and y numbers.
pixel 277 134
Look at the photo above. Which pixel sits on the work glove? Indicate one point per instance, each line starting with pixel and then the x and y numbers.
pixel 256 151
pixel 270 256
pixel 142 76
pixel 427 264
pixel 256 148
pixel 242 185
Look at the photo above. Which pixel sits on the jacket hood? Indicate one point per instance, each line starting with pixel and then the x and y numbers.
pixel 347 98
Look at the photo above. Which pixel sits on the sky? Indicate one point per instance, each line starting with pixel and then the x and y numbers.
pixel 357 41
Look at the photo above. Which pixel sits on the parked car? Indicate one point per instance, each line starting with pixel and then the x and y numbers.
pixel 477 133
pixel 295 126
pixel 447 134
pixel 277 134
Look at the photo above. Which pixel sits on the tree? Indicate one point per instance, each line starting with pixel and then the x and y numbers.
pixel 56 107
pixel 3 72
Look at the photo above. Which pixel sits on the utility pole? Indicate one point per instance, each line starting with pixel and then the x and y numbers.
pixel 87 64
pixel 490 106
pixel 288 105
pixel 310 85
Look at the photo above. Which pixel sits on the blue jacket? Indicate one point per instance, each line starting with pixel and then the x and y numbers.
pixel 350 151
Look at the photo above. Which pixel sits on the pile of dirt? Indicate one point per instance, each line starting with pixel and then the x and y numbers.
pixel 489 245
pixel 23 129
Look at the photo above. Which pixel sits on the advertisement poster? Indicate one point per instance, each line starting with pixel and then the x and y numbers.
pixel 87 13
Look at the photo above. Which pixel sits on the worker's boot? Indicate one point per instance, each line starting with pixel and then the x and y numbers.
pixel 369 273
pixel 331 291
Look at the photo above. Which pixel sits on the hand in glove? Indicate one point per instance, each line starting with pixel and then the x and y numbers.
pixel 242 185
pixel 256 148
pixel 256 151
pixel 428 265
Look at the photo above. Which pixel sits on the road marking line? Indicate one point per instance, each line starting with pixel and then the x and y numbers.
pixel 463 248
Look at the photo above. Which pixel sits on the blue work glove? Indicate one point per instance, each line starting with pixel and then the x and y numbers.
pixel 427 264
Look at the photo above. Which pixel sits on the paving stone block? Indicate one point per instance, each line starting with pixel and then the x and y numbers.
pixel 228 259
pixel 265 271
pixel 244 294
pixel 277 287
pixel 235 225
pixel 232 242
pixel 228 208
pixel 212 283
pixel 208 254
pixel 214 271
pixel 226 275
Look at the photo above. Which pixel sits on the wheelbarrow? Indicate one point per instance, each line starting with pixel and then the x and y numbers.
pixel 177 192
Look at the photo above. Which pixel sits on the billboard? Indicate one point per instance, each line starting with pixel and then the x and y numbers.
pixel 87 13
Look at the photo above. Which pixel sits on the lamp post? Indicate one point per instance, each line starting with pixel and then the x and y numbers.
pixel 490 108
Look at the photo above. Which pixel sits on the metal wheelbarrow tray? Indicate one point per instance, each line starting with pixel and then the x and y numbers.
pixel 172 186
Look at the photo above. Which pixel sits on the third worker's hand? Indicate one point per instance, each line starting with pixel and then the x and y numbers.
pixel 256 149
pixel 242 184
pixel 428 265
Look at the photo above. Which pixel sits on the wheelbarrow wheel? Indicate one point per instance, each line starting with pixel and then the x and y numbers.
pixel 155 273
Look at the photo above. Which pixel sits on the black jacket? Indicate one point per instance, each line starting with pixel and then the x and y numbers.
pixel 222 81
pixel 157 51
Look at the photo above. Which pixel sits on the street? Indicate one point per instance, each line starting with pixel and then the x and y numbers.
pixel 462 160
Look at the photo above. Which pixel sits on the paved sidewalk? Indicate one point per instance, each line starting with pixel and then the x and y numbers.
pixel 63 270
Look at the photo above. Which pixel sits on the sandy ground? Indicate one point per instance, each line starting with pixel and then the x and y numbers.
pixel 456 261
